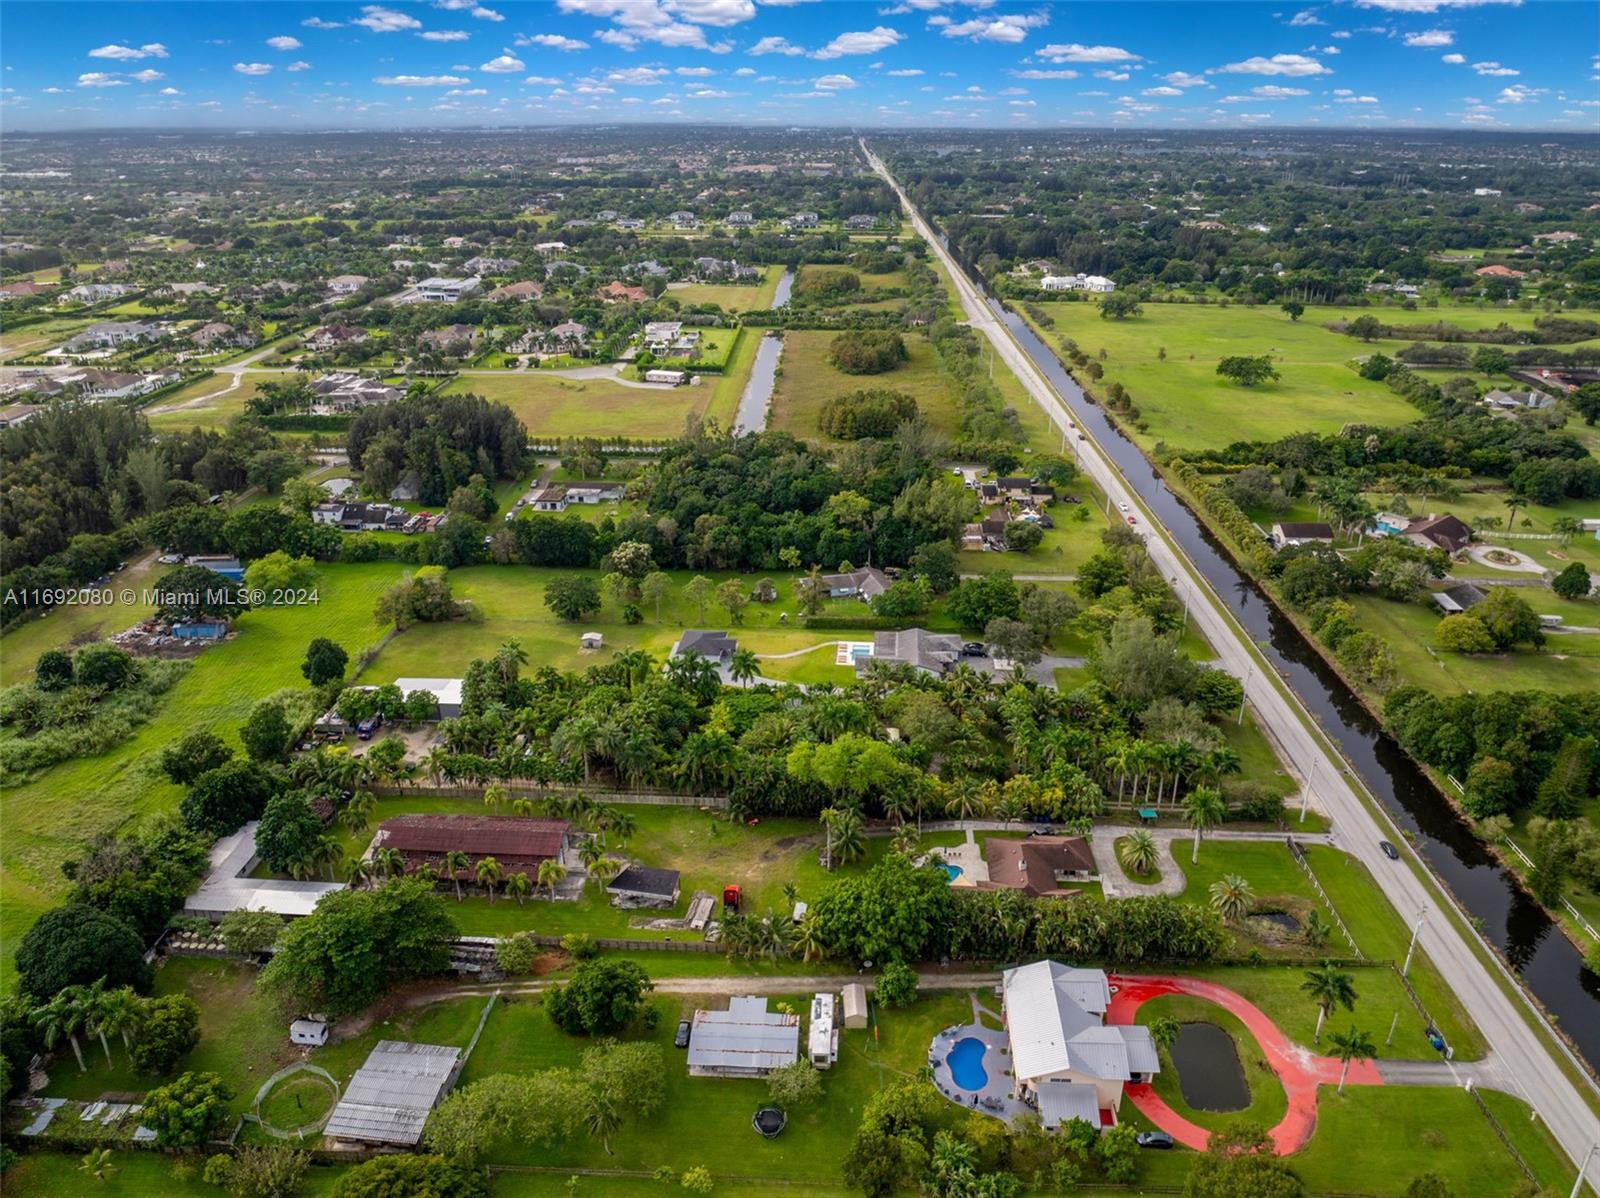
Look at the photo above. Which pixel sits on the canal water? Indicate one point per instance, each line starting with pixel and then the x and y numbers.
pixel 1547 961
pixel 756 399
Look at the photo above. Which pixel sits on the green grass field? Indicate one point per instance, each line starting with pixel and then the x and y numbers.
pixel 808 380
pixel 208 403
pixel 47 820
pixel 730 297
pixel 551 405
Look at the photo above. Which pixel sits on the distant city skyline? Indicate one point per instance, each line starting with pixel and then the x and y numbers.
pixel 1378 64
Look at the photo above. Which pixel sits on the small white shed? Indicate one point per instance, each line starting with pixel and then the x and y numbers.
pixel 591 640
pixel 311 1033
pixel 855 1005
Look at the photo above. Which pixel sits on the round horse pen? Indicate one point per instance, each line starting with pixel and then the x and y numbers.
pixel 310 1084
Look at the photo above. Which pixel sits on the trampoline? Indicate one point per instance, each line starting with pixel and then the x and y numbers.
pixel 769 1121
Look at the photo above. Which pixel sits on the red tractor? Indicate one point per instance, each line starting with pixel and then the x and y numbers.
pixel 730 898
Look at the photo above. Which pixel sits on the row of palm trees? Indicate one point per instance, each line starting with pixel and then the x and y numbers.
pixel 90 1010
pixel 487 872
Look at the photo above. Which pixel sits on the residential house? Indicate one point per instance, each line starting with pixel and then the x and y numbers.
pixel 455 338
pixel 644 886
pixel 1065 1060
pixel 346 284
pixel 929 652
pixel 863 584
pixel 524 291
pixel 19 413
pixel 802 220
pixel 489 266
pixel 629 222
pixel 669 339
pixel 550 247
pixel 229 567
pixel 439 290
pixel 108 334
pixel 117 384
pixel 217 334
pixel 332 336
pixel 1463 596
pixel 187 289
pixel 520 844
pixel 607 215
pixel 1298 533
pixel 1078 282
pixel 361 517
pixel 1517 401
pixel 723 268
pixel 988 533
pixel 746 1040
pixel 23 289
pixel 556 264
pixel 861 222
pixel 682 219
pixel 96 293
pixel 1499 272
pixel 742 218
pixel 351 392
pixel 719 647
pixel 568 337
pixel 446 694
pixel 1559 237
pixel 672 378
pixel 1439 532
pixel 1040 866
pixel 617 290
pixel 549 499
pixel 648 266
pixel 457 243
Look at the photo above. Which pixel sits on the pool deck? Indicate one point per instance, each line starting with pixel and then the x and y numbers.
pixel 995 1097
pixel 968 858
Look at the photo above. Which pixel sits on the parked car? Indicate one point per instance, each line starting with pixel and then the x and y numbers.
pixel 681 1040
pixel 1389 850
pixel 973 649
pixel 1153 1139
pixel 368 726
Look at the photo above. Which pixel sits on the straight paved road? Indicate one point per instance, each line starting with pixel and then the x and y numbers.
pixel 1529 1054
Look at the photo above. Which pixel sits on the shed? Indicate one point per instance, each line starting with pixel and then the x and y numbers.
pixel 591 640
pixel 746 1040
pixel 445 691
pixel 673 378
pixel 390 1096
pixel 313 1033
pixel 855 1005
pixel 644 886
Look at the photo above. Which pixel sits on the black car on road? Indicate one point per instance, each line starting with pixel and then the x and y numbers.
pixel 1389 850
pixel 1153 1139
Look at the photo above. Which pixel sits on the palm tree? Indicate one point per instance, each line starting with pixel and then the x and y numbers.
pixel 123 1013
pixel 1203 809
pixel 62 1018
pixel 791 894
pixel 963 800
pixel 601 1118
pixel 619 823
pixel 388 862
pixel 97 1164
pixel 488 874
pixel 494 797
pixel 1164 1030
pixel 550 874
pixel 523 807
pixel 1353 1045
pixel 743 667
pixel 844 834
pixel 425 873
pixel 358 870
pixel 357 813
pixel 1317 929
pixel 808 938
pixel 591 851
pixel 1231 897
pixel 1330 986
pixel 1138 852
pixel 519 887
pixel 327 852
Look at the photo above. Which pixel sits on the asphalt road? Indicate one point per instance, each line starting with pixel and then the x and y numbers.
pixel 1527 1055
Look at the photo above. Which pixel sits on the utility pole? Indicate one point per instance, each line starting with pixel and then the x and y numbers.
pixel 1393 1023
pixel 1405 969
pixel 1305 797
pixel 1244 696
pixel 1582 1169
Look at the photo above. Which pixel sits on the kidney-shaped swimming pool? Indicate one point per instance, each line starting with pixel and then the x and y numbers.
pixel 966 1064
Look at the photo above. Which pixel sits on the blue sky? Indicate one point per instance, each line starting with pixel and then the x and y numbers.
pixel 959 63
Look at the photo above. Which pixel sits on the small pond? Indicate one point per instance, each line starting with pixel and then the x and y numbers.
pixel 1280 919
pixel 1210 1074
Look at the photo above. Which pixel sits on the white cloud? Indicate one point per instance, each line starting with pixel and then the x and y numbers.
pixel 1036 73
pixel 554 41
pixel 1429 38
pixel 1074 52
pixel 833 83
pixel 709 93
pixel 146 76
pixel 906 73
pixel 1278 64
pixel 284 42
pixel 253 68
pixel 868 41
pixel 1519 93
pixel 1113 76
pixel 148 50
pixel 636 76
pixel 298 66
pixel 1454 60
pixel 542 81
pixel 716 13
pixel 100 79
pixel 694 72
pixel 170 91
pixel 504 64
pixel 1428 6
pixel 1357 100
pixel 1184 79
pixel 744 72
pixel 444 35
pixel 1161 91
pixel 1008 29
pixel 776 45
pixel 486 14
pixel 1023 103
pixel 319 23
pixel 385 20
pixel 1494 69
pixel 421 80
pixel 467 91
pixel 1272 91
pixel 1306 17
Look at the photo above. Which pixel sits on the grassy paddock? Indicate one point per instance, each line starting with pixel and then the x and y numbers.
pixel 809 380
pixel 553 406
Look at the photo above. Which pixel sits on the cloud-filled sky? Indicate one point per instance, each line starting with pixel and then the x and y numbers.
pixel 958 63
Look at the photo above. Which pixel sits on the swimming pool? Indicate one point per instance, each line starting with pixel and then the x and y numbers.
pixel 951 872
pixel 966 1064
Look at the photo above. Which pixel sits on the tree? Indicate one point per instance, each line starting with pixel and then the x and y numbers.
pixel 603 997
pixel 1046 611
pixel 1014 641
pixel 794 1085
pixel 1353 1045
pixel 896 985
pixel 1329 986
pixel 356 943
pixel 103 668
pixel 1241 1162
pixel 407 1174
pixel 655 587
pixel 1164 1032
pixel 488 874
pixel 1572 582
pixel 572 596
pixel 187 1112
pixel 258 1171
pixel 935 562
pixel 1023 536
pixel 1231 897
pixel 288 832
pixel 75 945
pixel 325 662
pixel 516 954
pixel 97 1164
pixel 551 873
pixel 1138 852
pixel 1120 305
pixel 1247 371
pixel 976 601
pixel 223 799
pixel 896 911
pixel 1368 328
pixel 246 933
pixel 1138 665
pixel 1509 618
pixel 169 1032
pixel 1203 808
pixel 733 597
pixel 197 753
pixel 62 1018
pixel 1462 632
pixel 423 598
pixel 867 351
pixel 266 733
pixel 1427 1185
pixel 1294 308
pixel 53 670
pixel 698 591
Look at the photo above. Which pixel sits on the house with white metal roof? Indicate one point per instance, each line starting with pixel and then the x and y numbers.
pixel 1065 1058
pixel 746 1040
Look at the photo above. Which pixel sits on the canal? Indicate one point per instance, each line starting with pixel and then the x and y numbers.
pixel 1548 962
pixel 755 401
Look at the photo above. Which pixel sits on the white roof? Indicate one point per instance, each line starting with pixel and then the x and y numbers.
pixel 819 1040
pixel 388 1099
pixel 1063 1101
pixel 746 1036
pixel 444 690
pixel 227 888
pixel 1049 1005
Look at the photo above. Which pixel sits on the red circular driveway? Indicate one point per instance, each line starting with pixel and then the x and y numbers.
pixel 1300 1070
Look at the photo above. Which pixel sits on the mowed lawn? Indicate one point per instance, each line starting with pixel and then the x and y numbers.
pixel 808 381
pixel 49 819
pixel 730 297
pixel 210 402
pixel 1187 405
pixel 553 406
